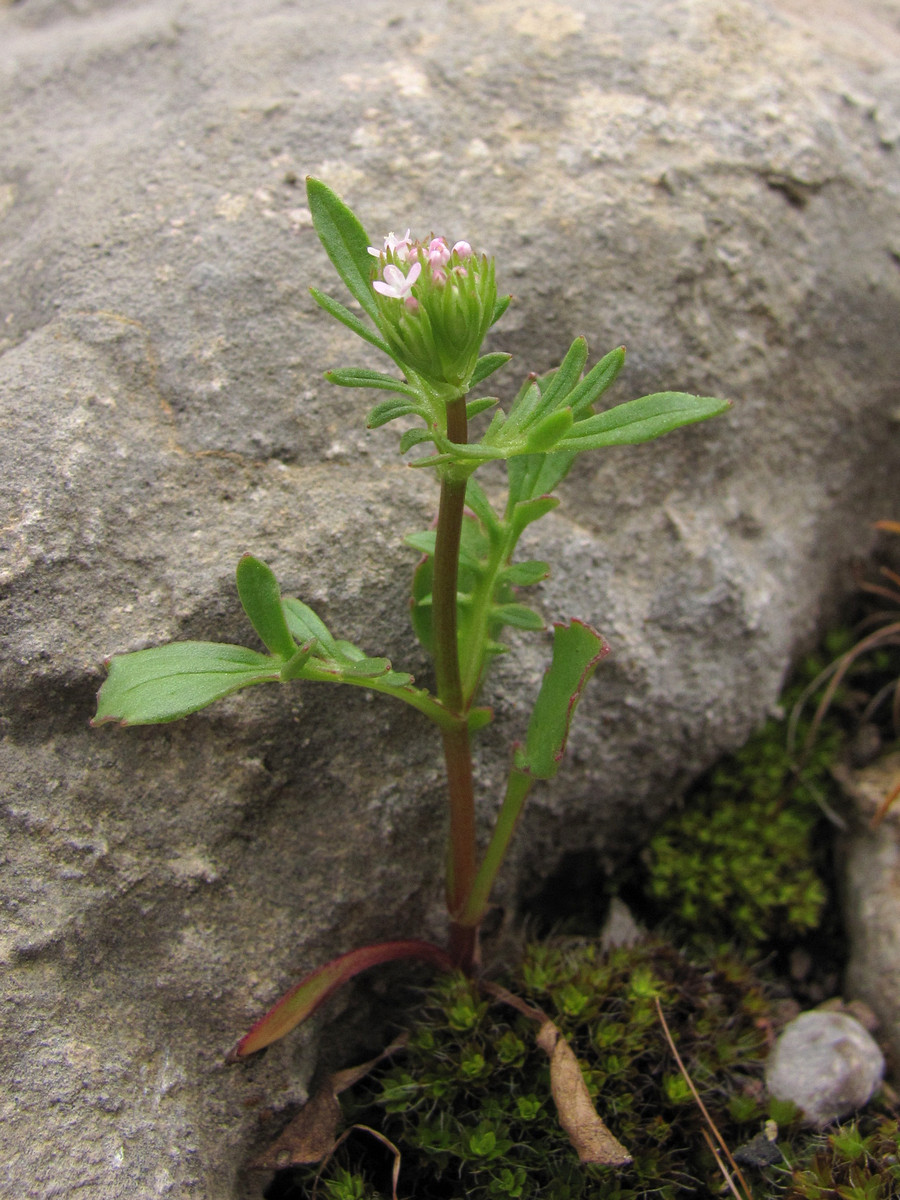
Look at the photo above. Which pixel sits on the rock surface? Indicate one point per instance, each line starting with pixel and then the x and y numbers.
pixel 825 1063
pixel 871 898
pixel 713 184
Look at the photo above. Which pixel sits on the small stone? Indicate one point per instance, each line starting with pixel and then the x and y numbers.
pixel 826 1064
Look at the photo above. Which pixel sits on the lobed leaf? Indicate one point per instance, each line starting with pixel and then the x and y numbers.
pixel 150 687
pixel 641 420
pixel 561 382
pixel 598 379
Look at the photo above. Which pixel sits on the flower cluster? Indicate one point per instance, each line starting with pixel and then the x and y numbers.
pixel 446 300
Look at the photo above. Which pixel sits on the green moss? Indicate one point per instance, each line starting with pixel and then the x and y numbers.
pixel 470 1105
pixel 739 862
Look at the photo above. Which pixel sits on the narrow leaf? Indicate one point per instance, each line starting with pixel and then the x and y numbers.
pixel 598 379
pixel 527 511
pixel 477 501
pixel 524 574
pixel 487 365
pixel 305 625
pixel 519 616
pixel 346 317
pixel 164 683
pixel 548 432
pixel 500 306
pixel 565 377
pixel 345 241
pixel 389 410
pixel 641 420
pixel 414 437
pixel 261 599
pixel 577 649
pixel 293 668
pixel 305 997
pixel 482 404
pixel 363 378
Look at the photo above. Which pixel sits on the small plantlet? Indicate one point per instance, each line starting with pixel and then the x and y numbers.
pixel 427 306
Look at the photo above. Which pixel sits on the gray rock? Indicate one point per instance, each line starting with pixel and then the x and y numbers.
pixel 870 866
pixel 714 185
pixel 825 1063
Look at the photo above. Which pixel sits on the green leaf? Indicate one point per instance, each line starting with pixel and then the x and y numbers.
pixel 306 626
pixel 641 420
pixel 597 380
pixel 346 242
pixel 164 683
pixel 545 435
pixel 527 511
pixel 500 306
pixel 414 437
pixel 346 317
pixel 487 365
pixel 524 574
pixel 389 410
pixel 482 404
pixel 362 378
pixel 519 616
pixel 261 598
pixel 532 476
pixel 477 500
pixel 577 649
pixel 557 388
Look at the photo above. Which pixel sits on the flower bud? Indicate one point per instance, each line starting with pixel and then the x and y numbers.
pixel 434 311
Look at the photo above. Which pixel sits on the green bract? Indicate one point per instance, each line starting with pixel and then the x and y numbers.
pixel 438 333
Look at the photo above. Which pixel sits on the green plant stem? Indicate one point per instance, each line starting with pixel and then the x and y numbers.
pixel 461 858
pixel 517 790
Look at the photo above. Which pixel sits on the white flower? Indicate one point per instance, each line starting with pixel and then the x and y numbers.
pixel 395 284
pixel 400 247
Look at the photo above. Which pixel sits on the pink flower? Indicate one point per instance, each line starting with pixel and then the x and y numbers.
pixel 463 249
pixel 438 252
pixel 396 285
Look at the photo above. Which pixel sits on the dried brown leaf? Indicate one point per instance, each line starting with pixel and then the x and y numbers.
pixel 312 1135
pixel 592 1140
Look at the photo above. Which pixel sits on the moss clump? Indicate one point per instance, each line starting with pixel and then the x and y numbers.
pixel 470 1106
pixel 739 862
pixel 859 1160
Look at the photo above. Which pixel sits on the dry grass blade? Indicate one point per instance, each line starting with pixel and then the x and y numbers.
pixel 717 1155
pixel 747 1194
pixel 880 813
pixel 395 1170
pixel 590 1138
